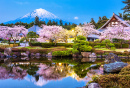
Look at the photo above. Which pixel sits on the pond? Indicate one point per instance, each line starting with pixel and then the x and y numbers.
pixel 47 73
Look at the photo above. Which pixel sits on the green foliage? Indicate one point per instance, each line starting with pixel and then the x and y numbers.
pixel 36 20
pixel 81 38
pixel 85 48
pixel 74 51
pixel 125 45
pixel 32 34
pixel 48 45
pixel 22 40
pixel 97 41
pixel 97 46
pixel 111 45
pixel 121 80
pixel 106 41
pixel 103 46
pixel 113 48
pixel 61 53
pixel 81 44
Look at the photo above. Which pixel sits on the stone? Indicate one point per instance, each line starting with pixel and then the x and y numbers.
pixel 28 53
pixel 111 58
pixel 32 55
pixel 43 55
pixel 2 55
pixel 85 54
pixel 18 54
pixel 49 54
pixel 88 59
pixel 114 67
pixel 37 55
pixel 94 85
pixel 93 55
pixel 25 58
pixel 7 51
pixel 24 55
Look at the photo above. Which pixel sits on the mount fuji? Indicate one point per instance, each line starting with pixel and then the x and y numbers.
pixel 41 13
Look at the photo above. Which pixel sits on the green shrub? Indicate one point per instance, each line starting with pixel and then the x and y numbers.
pixel 113 48
pixel 73 51
pixel 97 46
pixel 80 37
pixel 125 45
pixel 85 48
pixel 97 41
pixel 111 45
pixel 106 41
pixel 117 45
pixel 113 81
pixel 103 46
pixel 61 53
pixel 48 45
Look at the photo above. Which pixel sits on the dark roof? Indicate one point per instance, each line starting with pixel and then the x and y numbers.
pixel 34 28
pixel 118 18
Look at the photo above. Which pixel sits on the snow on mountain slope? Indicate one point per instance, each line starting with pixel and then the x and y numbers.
pixel 41 13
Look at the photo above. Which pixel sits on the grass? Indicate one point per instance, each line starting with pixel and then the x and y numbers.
pixel 50 49
pixel 117 50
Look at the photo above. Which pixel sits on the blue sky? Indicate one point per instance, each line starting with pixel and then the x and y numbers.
pixel 71 10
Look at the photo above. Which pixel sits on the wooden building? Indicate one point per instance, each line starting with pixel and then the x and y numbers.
pixel 115 20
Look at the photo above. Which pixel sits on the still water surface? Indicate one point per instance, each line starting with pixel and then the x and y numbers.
pixel 46 73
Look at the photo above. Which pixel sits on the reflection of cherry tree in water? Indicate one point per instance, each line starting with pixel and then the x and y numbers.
pixel 13 72
pixel 53 72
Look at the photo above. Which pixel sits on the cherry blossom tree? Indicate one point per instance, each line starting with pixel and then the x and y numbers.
pixel 85 30
pixel 51 33
pixel 117 32
pixel 13 33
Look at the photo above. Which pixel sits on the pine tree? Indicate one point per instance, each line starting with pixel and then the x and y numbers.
pixel 127 7
pixel 61 23
pixel 120 15
pixel 49 23
pixel 36 20
pixel 93 22
pixel 66 24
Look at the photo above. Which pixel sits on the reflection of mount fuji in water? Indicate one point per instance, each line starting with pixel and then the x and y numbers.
pixel 41 13
pixel 50 75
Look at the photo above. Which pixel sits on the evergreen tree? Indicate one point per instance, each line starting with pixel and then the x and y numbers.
pixel 104 18
pixel 100 19
pixel 49 23
pixel 61 23
pixel 127 7
pixel 80 24
pixel 93 22
pixel 120 15
pixel 66 24
pixel 2 24
pixel 36 20
pixel 53 23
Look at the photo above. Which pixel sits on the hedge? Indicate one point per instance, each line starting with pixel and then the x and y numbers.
pixel 48 45
pixel 117 45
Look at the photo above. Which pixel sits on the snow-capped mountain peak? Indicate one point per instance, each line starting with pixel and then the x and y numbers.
pixel 41 13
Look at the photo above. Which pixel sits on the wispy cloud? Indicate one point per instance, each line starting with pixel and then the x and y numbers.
pixel 76 18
